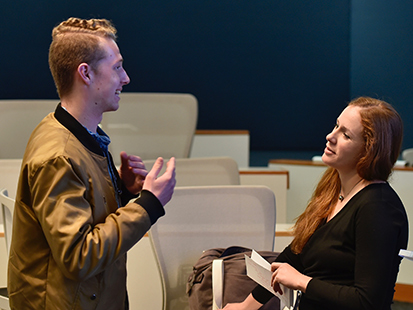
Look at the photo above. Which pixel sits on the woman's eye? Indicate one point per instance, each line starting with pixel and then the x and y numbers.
pixel 346 135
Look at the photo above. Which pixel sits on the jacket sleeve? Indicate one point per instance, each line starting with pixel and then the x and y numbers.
pixel 81 244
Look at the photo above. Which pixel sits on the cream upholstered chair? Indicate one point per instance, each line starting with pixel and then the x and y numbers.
pixel 141 260
pixel 9 176
pixel 18 118
pixel 407 155
pixel 199 218
pixel 7 209
pixel 152 124
pixel 203 171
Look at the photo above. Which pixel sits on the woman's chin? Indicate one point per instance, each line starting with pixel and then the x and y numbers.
pixel 325 159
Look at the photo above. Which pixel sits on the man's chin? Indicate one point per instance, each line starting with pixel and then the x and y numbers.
pixel 114 107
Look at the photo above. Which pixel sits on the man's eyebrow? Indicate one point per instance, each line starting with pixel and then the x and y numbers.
pixel 119 61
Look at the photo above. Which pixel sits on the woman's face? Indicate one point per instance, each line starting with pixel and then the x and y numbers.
pixel 345 143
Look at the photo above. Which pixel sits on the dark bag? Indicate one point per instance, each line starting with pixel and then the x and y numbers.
pixel 237 285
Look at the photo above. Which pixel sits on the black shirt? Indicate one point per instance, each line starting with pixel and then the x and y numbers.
pixel 353 259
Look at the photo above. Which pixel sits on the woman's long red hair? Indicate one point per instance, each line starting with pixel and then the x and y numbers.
pixel 382 133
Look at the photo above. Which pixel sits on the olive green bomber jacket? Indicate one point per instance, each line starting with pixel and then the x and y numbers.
pixel 70 239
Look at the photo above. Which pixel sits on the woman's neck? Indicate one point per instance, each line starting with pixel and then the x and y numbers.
pixel 350 185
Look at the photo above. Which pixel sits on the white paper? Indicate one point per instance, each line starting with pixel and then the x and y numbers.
pixel 406 254
pixel 259 270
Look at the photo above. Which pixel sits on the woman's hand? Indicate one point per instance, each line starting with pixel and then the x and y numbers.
pixel 249 303
pixel 288 276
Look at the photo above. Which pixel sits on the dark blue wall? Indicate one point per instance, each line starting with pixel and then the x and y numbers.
pixel 382 55
pixel 281 69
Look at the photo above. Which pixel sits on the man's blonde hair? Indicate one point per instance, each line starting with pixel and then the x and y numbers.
pixel 76 41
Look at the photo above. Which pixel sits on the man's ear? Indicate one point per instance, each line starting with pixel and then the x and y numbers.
pixel 84 71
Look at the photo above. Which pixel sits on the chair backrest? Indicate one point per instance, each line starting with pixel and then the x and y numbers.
pixel 407 155
pixel 199 218
pixel 152 124
pixel 207 171
pixel 9 175
pixel 18 118
pixel 7 209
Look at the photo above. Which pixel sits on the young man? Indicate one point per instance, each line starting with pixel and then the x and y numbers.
pixel 74 221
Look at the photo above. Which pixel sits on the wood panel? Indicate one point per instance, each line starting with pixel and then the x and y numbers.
pixel 404 292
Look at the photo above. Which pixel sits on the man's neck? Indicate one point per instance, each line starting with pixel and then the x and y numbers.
pixel 82 113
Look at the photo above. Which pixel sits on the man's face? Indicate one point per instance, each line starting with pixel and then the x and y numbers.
pixel 109 78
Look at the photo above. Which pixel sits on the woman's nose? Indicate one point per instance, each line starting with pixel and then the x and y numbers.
pixel 330 137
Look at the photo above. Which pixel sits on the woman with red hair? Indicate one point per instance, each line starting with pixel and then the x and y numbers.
pixel 344 254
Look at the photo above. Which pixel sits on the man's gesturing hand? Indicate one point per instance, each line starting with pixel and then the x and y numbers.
pixel 163 186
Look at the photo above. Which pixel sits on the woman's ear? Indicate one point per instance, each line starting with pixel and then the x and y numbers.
pixel 85 73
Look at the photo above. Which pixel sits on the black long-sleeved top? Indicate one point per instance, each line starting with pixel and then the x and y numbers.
pixel 353 259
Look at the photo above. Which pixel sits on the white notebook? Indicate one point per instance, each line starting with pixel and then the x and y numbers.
pixel 259 270
pixel 406 254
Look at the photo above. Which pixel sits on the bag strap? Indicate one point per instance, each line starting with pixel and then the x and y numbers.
pixel 217 283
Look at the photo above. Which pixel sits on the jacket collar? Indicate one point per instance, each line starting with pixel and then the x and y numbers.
pixel 77 129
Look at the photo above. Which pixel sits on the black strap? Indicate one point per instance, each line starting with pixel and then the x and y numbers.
pixel 297 301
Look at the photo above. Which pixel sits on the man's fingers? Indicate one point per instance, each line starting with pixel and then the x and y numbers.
pixel 170 166
pixel 156 168
pixel 124 158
